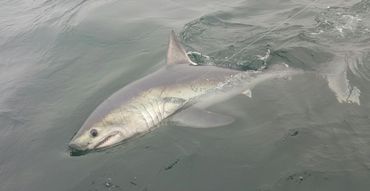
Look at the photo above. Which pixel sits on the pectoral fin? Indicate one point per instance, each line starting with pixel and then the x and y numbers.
pixel 172 104
pixel 198 118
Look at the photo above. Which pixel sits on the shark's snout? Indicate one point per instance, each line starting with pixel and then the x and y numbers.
pixel 76 147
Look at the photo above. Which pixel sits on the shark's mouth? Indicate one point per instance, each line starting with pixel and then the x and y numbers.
pixel 104 143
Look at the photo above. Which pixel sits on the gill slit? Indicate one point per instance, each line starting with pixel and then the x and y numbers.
pixel 152 103
pixel 121 114
pixel 142 115
pixel 146 110
pixel 163 102
pixel 159 109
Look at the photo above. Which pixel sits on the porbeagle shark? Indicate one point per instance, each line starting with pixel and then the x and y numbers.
pixel 179 92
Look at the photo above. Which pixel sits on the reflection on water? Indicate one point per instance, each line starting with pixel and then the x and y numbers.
pixel 60 59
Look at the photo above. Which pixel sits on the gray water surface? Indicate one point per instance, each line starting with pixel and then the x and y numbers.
pixel 60 59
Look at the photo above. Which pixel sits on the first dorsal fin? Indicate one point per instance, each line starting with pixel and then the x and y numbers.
pixel 176 53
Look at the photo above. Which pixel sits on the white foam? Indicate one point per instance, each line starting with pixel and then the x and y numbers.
pixel 336 74
pixel 354 96
pixel 248 93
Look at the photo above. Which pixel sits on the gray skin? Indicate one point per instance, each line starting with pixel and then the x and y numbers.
pixel 171 92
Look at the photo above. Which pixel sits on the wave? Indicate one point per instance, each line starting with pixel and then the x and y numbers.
pixel 334 44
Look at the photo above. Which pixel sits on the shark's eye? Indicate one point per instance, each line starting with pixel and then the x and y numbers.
pixel 94 132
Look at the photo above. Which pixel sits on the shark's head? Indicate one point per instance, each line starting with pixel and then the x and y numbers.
pixel 102 130
pixel 97 137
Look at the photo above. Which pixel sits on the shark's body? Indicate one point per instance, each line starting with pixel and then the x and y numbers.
pixel 171 92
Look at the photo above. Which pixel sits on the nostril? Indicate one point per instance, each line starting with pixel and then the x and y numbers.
pixel 74 146
pixel 77 149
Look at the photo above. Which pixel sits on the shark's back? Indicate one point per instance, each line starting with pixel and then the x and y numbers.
pixel 180 81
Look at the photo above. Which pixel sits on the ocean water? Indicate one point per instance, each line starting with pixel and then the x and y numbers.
pixel 60 59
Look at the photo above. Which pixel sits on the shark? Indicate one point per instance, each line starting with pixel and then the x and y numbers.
pixel 180 91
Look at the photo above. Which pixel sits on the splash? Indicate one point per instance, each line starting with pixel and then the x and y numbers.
pixel 359 64
pixel 336 74
pixel 199 58
pixel 344 22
